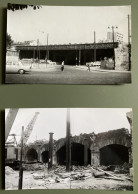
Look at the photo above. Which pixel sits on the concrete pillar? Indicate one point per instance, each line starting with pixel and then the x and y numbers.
pixel 50 163
pixel 48 54
pixel 85 152
pixel 130 156
pixel 54 157
pixel 68 142
pixel 95 158
pixel 79 57
pixel 39 155
pixel 76 58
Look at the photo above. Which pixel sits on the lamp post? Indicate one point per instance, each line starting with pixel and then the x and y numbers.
pixel 47 51
pixel 94 46
pixel 113 39
pixel 129 44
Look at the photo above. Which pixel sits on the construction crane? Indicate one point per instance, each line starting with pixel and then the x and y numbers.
pixel 29 128
pixel 9 121
pixel 11 156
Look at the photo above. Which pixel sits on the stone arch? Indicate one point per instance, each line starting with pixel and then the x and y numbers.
pixel 45 156
pixel 60 143
pixel 77 152
pixel 31 155
pixel 114 154
pixel 44 147
pixel 119 137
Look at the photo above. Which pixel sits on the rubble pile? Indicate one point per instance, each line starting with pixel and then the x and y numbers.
pixel 9 170
pixel 34 167
pixel 58 174
pixel 118 169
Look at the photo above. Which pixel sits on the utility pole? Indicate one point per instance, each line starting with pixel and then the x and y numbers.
pixel 38 49
pixel 113 38
pixel 113 44
pixel 47 51
pixel 68 142
pixel 94 46
pixel 129 44
pixel 21 167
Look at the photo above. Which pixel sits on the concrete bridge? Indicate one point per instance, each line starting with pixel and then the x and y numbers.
pixel 72 54
pixel 108 148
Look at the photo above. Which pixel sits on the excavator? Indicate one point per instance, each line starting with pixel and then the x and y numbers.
pixel 12 149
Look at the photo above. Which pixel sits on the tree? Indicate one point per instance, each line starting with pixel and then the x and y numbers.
pixel 9 41
pixel 14 7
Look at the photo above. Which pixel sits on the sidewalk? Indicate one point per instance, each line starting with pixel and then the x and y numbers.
pixel 85 68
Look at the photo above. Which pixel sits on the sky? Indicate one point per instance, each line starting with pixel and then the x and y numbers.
pixel 82 120
pixel 67 24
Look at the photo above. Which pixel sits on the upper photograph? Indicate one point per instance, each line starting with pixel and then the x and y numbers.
pixel 68 44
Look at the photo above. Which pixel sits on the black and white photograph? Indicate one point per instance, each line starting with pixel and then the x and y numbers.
pixel 68 148
pixel 68 44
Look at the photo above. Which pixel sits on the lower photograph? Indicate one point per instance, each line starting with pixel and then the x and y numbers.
pixel 69 148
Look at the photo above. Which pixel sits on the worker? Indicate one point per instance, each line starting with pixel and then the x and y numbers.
pixel 62 66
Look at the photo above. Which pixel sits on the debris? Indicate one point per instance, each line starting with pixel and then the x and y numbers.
pixel 98 174
pixel 9 170
pixel 131 172
pixel 37 176
pixel 34 167
pixel 111 175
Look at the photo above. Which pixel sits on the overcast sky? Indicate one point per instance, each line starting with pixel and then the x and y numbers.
pixel 83 120
pixel 67 24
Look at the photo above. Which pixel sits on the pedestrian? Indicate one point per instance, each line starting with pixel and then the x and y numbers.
pixel 62 66
pixel 88 67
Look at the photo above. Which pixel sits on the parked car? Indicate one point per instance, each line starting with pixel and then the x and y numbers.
pixel 97 63
pixel 17 67
pixel 48 62
pixel 51 62
pixel 93 64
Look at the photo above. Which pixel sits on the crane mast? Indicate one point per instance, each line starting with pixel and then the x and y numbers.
pixel 29 128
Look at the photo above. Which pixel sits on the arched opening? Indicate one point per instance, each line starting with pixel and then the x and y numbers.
pixel 77 155
pixel 45 156
pixel 31 155
pixel 61 155
pixel 114 155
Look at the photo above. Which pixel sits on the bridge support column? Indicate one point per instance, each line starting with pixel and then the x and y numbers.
pixel 50 162
pixel 39 155
pixel 85 152
pixel 54 157
pixel 95 158
pixel 79 57
pixel 130 156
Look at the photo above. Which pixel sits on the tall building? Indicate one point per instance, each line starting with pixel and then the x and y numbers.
pixel 118 37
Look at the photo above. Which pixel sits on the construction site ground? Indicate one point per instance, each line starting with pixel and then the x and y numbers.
pixel 37 176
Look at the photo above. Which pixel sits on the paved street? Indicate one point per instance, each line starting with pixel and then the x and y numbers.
pixel 70 75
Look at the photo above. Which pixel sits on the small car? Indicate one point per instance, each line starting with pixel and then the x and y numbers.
pixel 17 67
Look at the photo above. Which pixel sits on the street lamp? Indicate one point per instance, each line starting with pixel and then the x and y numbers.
pixel 47 51
pixel 129 43
pixel 113 39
